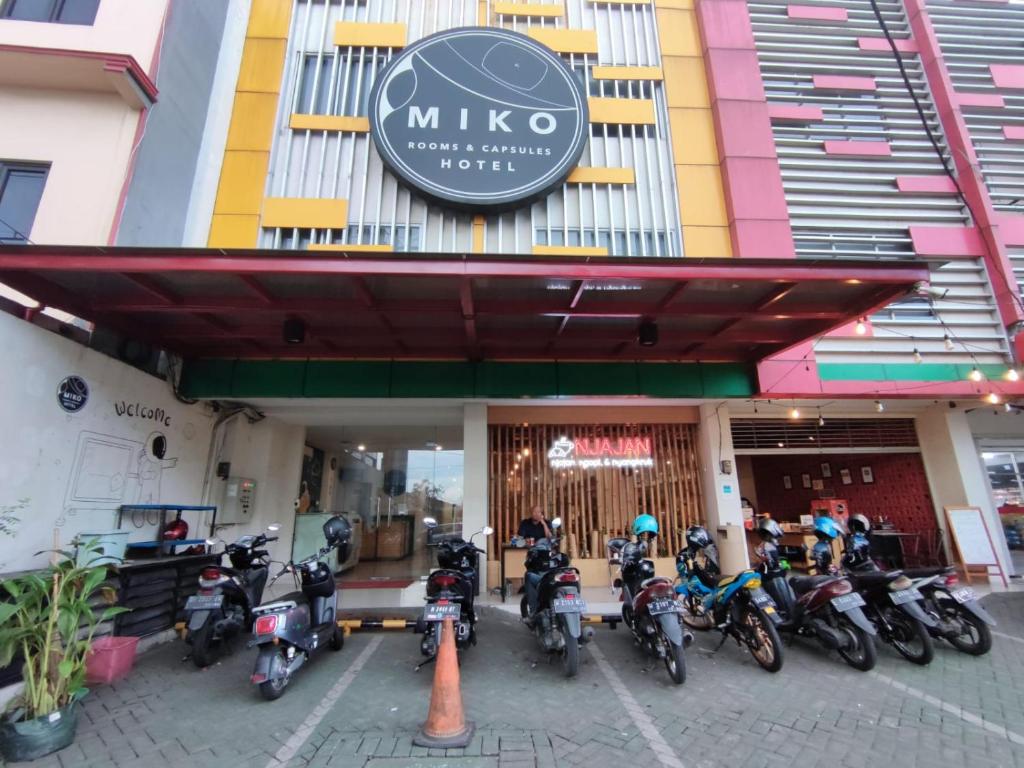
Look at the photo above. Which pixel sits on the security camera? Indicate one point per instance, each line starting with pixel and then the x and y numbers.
pixel 928 291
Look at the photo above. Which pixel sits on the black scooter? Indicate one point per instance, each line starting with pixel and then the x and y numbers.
pixel 961 621
pixel 223 605
pixel 558 620
pixel 288 630
pixel 450 592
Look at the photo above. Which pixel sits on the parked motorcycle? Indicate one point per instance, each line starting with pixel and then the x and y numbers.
pixel 821 607
pixel 958 617
pixel 450 592
pixel 737 605
pixel 894 605
pixel 290 628
pixel 649 607
pixel 962 622
pixel 557 615
pixel 223 605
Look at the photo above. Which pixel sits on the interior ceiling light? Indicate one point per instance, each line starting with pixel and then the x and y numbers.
pixel 647 334
pixel 294 331
pixel 360 447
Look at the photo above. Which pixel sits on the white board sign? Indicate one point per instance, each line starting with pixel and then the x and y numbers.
pixel 972 537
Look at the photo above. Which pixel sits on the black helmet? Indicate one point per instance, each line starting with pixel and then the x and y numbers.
pixel 337 531
pixel 768 529
pixel 697 537
pixel 858 524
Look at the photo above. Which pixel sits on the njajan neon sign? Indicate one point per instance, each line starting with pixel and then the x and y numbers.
pixel 596 452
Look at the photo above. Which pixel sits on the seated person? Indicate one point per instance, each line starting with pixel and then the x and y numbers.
pixel 534 528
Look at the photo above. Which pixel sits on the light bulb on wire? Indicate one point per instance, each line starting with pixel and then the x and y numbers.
pixel 861 327
pixel 1008 407
pixel 993 398
pixel 821 419
pixel 947 343
pixel 879 406
pixel 794 413
pixel 917 355
pixel 1012 374
pixel 975 374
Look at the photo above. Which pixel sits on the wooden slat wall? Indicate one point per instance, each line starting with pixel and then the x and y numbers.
pixel 595 501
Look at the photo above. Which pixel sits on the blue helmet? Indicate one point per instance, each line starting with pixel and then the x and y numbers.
pixel 645 524
pixel 826 527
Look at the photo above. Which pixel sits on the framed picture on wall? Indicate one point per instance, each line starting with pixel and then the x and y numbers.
pixel 846 477
pixel 867 475
pixel 817 484
pixel 787 482
pixel 805 480
pixel 826 469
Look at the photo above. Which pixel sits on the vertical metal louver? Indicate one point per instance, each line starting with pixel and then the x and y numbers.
pixel 806 435
pixel 850 207
pixel 638 219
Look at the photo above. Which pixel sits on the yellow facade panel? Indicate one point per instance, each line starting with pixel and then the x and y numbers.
pixel 566 40
pixel 701 199
pixel 241 182
pixel 678 32
pixel 589 175
pixel 685 82
pixel 329 123
pixel 530 9
pixel 228 231
pixel 706 242
pixel 368 34
pixel 626 73
pixel 693 136
pixel 354 248
pixel 252 122
pixel 622 111
pixel 303 212
pixel 621 2
pixel 479 233
pixel 262 65
pixel 568 250
pixel 269 18
pixel 673 4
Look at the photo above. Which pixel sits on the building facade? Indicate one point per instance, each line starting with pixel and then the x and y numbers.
pixel 788 243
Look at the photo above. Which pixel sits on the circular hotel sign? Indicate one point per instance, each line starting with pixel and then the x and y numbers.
pixel 477 118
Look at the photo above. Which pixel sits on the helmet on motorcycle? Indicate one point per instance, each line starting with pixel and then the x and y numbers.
pixel 826 528
pixel 337 531
pixel 859 524
pixel 697 537
pixel 768 529
pixel 176 530
pixel 645 524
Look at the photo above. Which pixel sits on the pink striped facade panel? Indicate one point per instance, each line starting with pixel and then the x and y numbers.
pixel 795 114
pixel 843 83
pixel 980 100
pixel 816 13
pixel 926 185
pixel 1010 76
pixel 858 148
pixel 881 45
pixel 948 242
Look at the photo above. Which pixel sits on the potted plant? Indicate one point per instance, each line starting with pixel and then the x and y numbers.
pixel 48 619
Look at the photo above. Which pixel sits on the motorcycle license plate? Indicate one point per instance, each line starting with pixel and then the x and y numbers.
pixel 204 602
pixel 762 600
pixel 569 605
pixel 845 603
pixel 964 595
pixel 906 596
pixel 436 612
pixel 663 605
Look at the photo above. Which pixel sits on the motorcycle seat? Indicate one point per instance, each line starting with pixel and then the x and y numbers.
pixel 870 579
pixel 297 597
pixel 801 584
pixel 924 573
pixel 653 580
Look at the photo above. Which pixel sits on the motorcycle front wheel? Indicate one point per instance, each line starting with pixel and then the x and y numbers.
pixel 675 661
pixel 762 638
pixel 863 655
pixel 694 615
pixel 975 637
pixel 908 636
pixel 273 688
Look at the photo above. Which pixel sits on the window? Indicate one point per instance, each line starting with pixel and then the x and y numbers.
pixel 405 238
pixel 57 11
pixel 605 240
pixel 21 187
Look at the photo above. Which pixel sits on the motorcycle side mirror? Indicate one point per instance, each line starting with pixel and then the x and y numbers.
pixel 556 523
pixel 274 527
pixel 430 522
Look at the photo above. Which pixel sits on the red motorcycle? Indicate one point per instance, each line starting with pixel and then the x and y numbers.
pixel 649 607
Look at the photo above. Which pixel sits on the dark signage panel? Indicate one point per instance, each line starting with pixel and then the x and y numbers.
pixel 480 119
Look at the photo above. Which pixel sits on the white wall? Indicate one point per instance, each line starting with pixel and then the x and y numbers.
pixel 269 452
pixel 721 492
pixel 76 469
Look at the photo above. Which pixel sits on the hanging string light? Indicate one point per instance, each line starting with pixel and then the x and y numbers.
pixel 879 406
pixel 947 343
pixel 794 412
pixel 821 419
pixel 917 356
pixel 993 398
pixel 1012 374
pixel 862 326
pixel 975 374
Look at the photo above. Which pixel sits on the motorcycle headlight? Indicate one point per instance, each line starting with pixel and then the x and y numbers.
pixel 900 583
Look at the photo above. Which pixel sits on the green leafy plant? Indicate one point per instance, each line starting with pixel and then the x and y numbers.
pixel 48 618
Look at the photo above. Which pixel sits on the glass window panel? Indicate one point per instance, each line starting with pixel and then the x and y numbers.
pixel 20 192
pixel 77 11
pixel 28 10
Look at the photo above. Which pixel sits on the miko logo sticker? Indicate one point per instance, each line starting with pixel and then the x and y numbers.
pixel 482 119
pixel 72 394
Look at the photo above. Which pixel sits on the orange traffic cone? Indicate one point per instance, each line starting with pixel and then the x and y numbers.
pixel 446 725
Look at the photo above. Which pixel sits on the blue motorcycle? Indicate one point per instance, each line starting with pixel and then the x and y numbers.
pixel 735 605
